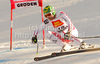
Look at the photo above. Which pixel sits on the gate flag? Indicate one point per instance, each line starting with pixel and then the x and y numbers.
pixel 24 4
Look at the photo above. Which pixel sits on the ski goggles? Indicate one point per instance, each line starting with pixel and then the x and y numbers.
pixel 48 14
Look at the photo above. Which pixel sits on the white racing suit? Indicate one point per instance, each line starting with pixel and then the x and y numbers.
pixel 61 24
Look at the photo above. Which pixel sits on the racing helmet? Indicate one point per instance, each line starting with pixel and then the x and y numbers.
pixel 49 9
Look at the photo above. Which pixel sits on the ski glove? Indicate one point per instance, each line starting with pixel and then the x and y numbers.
pixel 34 39
pixel 67 35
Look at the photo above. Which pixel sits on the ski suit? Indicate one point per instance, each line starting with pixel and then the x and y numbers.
pixel 61 25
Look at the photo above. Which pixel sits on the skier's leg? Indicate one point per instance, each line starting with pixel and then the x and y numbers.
pixel 57 38
pixel 78 41
pixel 74 33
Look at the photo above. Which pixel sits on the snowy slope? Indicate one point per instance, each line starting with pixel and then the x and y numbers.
pixel 25 55
pixel 85 14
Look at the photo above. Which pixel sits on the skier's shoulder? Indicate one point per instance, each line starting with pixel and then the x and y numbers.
pixel 61 13
pixel 58 13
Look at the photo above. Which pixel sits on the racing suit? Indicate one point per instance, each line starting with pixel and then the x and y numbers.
pixel 61 25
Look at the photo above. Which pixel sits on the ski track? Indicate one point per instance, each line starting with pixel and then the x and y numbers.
pixel 21 52
pixel 17 55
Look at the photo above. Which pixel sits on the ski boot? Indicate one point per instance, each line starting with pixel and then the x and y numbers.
pixel 66 47
pixel 82 45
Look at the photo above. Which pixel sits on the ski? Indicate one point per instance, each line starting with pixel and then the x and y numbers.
pixel 75 51
pixel 65 53
pixel 42 58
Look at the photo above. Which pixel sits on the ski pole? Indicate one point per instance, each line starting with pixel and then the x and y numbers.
pixel 37 48
pixel 88 37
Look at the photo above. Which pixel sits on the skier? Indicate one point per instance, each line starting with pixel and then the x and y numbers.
pixel 65 32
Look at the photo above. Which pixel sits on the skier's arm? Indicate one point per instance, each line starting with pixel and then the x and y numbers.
pixel 41 27
pixel 66 18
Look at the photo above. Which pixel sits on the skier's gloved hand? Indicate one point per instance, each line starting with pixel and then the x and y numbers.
pixel 67 35
pixel 34 39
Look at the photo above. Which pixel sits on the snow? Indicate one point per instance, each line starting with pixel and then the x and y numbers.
pixel 26 55
pixel 85 14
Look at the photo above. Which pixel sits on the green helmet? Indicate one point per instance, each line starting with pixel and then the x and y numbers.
pixel 49 9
